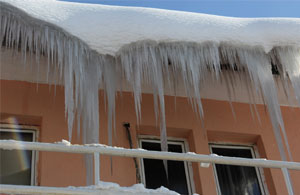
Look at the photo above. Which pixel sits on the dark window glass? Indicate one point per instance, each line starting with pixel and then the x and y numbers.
pixel 15 165
pixel 239 180
pixel 155 173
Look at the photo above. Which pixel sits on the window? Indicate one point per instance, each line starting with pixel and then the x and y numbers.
pixel 233 179
pixel 17 166
pixel 154 174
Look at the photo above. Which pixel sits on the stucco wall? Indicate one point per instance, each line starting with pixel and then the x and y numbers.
pixel 43 106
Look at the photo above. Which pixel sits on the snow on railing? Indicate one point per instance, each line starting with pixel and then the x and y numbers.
pixel 103 188
pixel 97 149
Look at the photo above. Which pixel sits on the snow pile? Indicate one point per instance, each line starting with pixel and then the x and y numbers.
pixel 108 188
pixel 95 46
pixel 64 142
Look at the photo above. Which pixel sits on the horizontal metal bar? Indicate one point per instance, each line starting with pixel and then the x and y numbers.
pixel 19 189
pixel 141 153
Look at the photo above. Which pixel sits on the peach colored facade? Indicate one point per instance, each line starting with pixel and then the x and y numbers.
pixel 38 105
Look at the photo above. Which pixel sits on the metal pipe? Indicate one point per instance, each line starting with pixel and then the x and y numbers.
pixel 141 153
pixel 137 172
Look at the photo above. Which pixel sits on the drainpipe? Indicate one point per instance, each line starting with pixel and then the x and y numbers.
pixel 137 172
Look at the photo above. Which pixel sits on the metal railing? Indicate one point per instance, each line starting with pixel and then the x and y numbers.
pixel 97 149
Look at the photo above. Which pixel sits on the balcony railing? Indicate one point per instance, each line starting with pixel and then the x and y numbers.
pixel 97 149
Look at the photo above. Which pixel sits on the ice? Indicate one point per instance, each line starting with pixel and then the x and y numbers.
pixel 157 59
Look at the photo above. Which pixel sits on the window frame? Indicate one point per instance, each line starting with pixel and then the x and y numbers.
pixel 34 157
pixel 254 153
pixel 187 165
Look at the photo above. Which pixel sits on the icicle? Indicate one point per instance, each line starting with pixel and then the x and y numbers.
pixel 76 64
pixel 289 59
pixel 110 81
pixel 229 93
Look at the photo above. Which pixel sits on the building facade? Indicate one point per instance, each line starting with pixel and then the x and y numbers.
pixel 33 108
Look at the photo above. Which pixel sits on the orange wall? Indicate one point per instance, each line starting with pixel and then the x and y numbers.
pixel 37 105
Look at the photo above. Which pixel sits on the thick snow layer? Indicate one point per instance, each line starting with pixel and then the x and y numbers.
pixel 108 28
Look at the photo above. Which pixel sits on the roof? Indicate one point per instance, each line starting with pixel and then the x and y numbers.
pixel 108 28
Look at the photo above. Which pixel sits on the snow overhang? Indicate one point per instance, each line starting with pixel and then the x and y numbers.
pixel 107 29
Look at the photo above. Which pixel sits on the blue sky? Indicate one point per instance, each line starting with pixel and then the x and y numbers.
pixel 236 8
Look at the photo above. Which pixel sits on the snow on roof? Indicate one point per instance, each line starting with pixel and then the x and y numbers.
pixel 108 28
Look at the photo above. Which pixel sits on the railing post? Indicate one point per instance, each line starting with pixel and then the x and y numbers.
pixel 96 168
pixel 287 181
